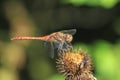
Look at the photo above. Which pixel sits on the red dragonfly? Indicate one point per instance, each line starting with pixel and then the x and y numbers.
pixel 60 40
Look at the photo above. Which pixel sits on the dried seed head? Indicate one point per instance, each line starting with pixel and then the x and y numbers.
pixel 75 65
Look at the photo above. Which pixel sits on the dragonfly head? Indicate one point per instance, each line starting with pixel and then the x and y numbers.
pixel 68 38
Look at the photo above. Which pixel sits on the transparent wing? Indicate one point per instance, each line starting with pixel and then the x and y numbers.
pixel 50 46
pixel 52 51
pixel 45 43
pixel 56 45
pixel 71 31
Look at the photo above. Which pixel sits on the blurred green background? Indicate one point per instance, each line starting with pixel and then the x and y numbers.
pixel 98 30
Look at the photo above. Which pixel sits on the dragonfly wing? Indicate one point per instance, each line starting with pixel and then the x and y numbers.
pixel 56 45
pixel 45 43
pixel 52 50
pixel 71 31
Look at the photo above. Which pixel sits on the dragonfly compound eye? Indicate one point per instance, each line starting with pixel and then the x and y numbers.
pixel 69 38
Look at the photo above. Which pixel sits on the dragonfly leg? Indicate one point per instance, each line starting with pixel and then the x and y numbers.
pixel 68 46
pixel 60 48
pixel 64 47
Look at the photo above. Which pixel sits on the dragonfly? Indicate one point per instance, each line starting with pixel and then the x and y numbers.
pixel 60 40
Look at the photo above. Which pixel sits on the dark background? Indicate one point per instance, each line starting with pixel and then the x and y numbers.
pixel 98 31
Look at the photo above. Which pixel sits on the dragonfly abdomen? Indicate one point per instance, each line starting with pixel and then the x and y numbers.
pixel 28 38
